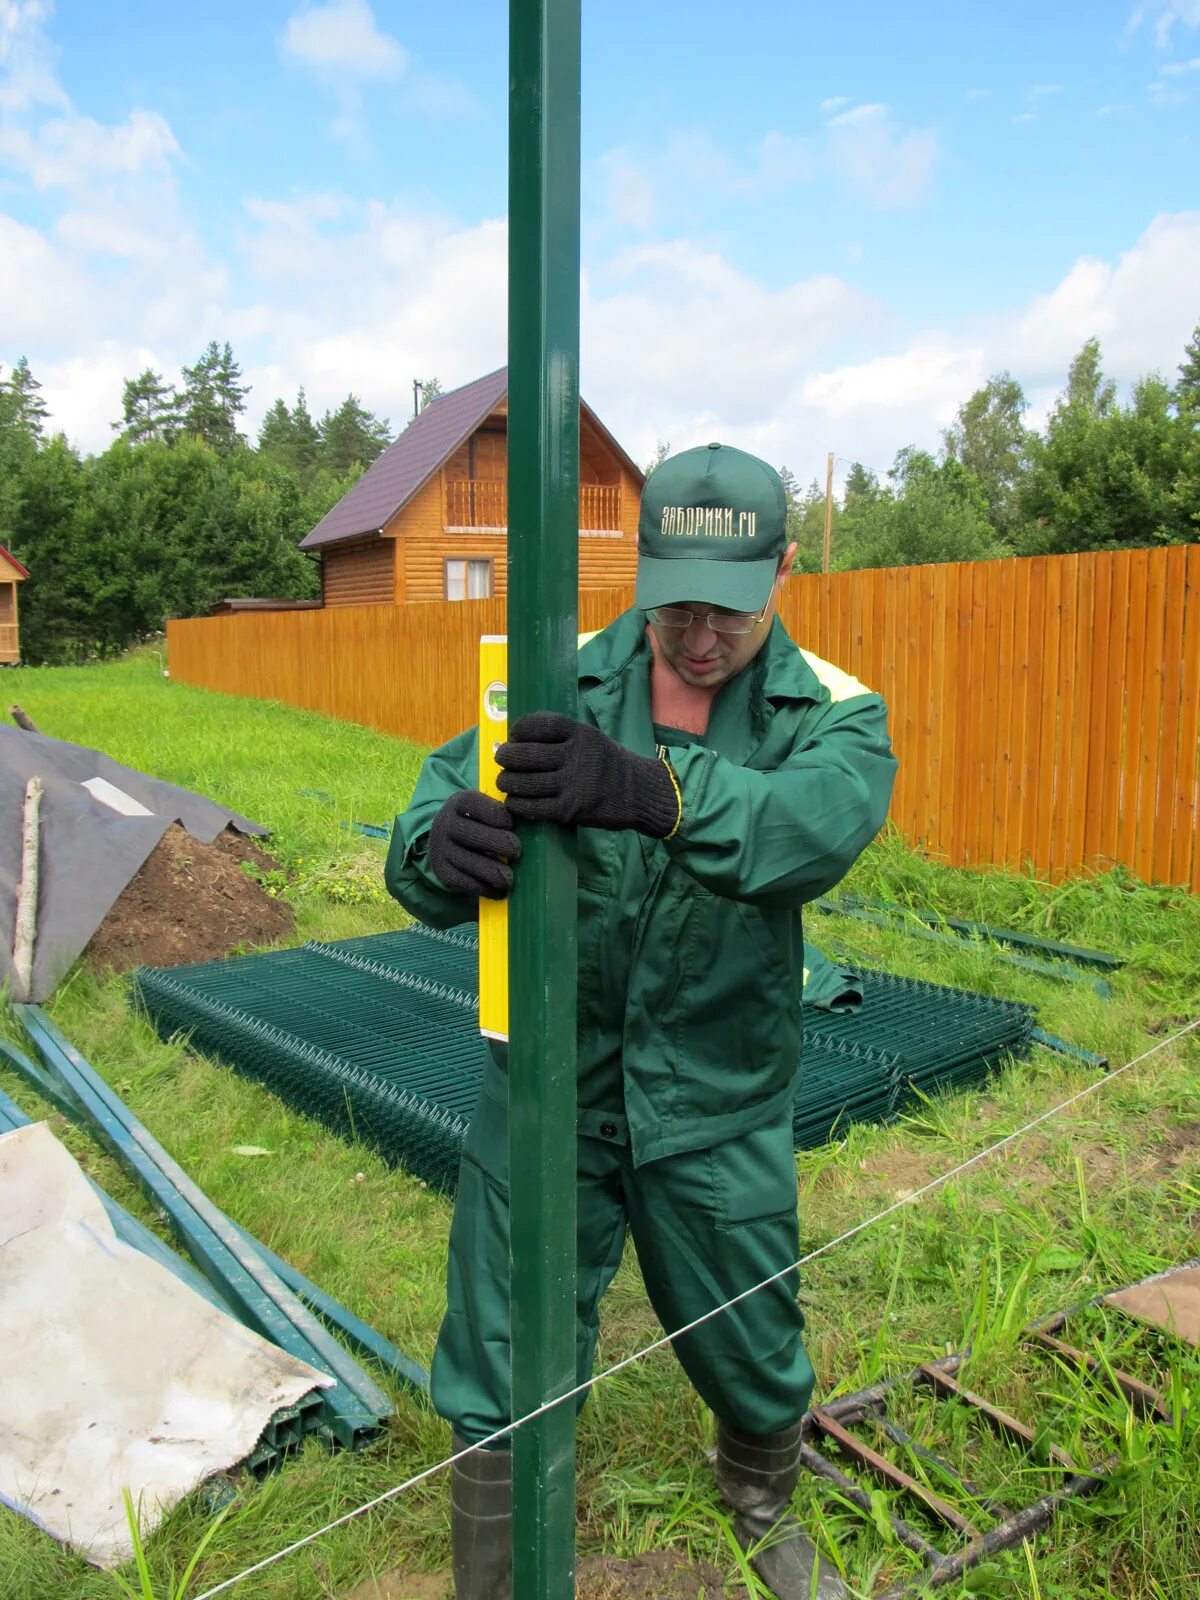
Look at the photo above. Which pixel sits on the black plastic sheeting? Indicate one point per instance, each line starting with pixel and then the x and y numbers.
pixel 88 852
pixel 378 1039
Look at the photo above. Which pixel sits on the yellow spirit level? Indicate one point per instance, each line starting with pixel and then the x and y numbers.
pixel 493 914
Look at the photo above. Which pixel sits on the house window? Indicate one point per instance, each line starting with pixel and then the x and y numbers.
pixel 469 580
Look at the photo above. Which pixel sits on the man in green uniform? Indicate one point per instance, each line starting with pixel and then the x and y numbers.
pixel 719 777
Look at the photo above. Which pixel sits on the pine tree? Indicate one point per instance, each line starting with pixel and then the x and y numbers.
pixel 22 405
pixel 276 437
pixel 431 389
pixel 860 482
pixel 213 398
pixel 306 439
pixel 149 409
pixel 351 436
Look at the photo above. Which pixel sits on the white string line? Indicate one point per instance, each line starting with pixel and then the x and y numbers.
pixel 669 1338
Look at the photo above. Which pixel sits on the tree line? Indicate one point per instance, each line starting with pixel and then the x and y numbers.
pixel 181 510
pixel 1102 475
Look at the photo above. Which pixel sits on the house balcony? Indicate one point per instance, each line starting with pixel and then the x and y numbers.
pixel 481 505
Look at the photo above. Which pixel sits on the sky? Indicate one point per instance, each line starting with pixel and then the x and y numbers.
pixel 804 229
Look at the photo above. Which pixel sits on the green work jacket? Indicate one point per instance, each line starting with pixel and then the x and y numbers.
pixel 691 952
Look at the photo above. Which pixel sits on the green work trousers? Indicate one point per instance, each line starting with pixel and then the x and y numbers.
pixel 706 1225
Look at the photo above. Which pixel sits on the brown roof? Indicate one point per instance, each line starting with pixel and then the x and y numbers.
pixel 425 445
pixel 249 603
pixel 24 571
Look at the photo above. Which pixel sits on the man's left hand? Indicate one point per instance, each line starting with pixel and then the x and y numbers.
pixel 558 770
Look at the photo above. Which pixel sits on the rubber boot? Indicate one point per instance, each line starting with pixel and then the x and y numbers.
pixel 481 1524
pixel 756 1474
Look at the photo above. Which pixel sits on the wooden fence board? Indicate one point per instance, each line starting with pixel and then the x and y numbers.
pixel 1175 587
pixel 1150 755
pixel 1072 760
pixel 997 848
pixel 1135 677
pixel 946 626
pixel 1021 712
pixel 1185 846
pixel 1042 837
pixel 1118 655
pixel 1035 708
pixel 1103 681
pixel 1046 712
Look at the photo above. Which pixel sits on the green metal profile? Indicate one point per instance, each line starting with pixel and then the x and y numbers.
pixel 1079 954
pixel 357 1406
pixel 543 579
pixel 367 1341
pixel 915 928
pixel 127 1228
pixel 358 1334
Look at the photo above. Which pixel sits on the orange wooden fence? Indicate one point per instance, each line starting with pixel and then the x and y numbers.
pixel 1046 712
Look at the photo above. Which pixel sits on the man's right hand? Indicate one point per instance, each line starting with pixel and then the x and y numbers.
pixel 471 844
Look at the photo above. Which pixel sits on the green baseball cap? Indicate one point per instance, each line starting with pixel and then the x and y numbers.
pixel 712 527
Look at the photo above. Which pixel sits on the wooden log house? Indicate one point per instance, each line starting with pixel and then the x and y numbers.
pixel 11 574
pixel 429 520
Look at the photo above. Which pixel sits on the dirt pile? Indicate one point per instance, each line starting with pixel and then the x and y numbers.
pixel 190 902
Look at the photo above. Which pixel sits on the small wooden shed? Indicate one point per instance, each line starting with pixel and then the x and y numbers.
pixel 429 520
pixel 11 574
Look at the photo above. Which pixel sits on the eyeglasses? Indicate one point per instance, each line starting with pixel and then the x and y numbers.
pixel 718 621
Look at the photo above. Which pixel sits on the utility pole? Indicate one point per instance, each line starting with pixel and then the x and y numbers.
pixel 828 512
pixel 543 619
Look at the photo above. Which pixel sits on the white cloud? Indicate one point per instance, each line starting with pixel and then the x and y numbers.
pixel 678 344
pixel 72 151
pixel 887 166
pixel 691 170
pixel 1023 117
pixel 1141 307
pixel 628 190
pixel 48 144
pixel 930 379
pixel 342 39
pixel 1175 69
pixel 26 60
pixel 323 290
pixel 834 103
pixel 1164 16
pixel 81 390
pixel 1042 91
pixel 440 98
pixel 41 291
pixel 342 45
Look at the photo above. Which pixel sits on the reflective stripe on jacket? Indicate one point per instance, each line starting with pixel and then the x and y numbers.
pixel 691 951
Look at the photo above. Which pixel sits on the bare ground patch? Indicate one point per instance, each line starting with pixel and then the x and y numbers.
pixel 659 1575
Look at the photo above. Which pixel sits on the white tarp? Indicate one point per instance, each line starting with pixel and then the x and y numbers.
pixel 114 1374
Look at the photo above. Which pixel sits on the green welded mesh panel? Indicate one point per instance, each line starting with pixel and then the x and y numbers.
pixel 377 1038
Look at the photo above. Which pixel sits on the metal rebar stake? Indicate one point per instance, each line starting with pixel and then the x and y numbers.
pixel 543 576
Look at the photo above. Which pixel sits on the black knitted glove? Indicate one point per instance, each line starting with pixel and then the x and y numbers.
pixel 471 843
pixel 558 770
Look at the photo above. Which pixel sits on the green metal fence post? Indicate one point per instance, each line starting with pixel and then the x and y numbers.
pixel 543 577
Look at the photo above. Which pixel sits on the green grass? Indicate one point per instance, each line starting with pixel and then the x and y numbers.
pixel 1104 1194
